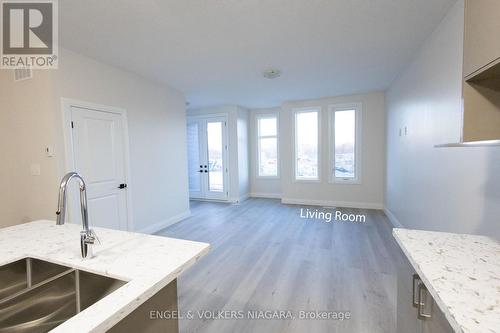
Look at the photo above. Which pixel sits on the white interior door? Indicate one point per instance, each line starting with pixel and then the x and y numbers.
pixel 207 158
pixel 99 156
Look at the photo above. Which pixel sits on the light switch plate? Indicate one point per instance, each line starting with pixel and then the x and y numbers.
pixel 49 150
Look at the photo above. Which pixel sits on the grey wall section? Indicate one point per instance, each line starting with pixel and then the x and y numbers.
pixel 26 126
pixel 243 156
pixel 368 194
pixel 444 189
pixel 157 134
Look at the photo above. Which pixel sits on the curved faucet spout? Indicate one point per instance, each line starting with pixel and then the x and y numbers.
pixel 87 235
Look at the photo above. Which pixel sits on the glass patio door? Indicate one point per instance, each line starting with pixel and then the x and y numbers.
pixel 207 157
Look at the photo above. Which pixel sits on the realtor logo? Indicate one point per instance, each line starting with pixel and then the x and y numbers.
pixel 29 34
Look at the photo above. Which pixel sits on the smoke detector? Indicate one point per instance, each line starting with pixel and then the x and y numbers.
pixel 271 73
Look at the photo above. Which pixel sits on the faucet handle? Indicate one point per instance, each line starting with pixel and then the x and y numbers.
pixel 89 237
pixel 94 236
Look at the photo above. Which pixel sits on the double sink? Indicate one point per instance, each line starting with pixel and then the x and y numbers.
pixel 36 295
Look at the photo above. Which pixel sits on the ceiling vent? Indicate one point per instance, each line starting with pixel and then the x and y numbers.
pixel 23 73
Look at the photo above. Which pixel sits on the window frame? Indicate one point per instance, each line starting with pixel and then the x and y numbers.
pixel 258 137
pixel 296 111
pixel 358 108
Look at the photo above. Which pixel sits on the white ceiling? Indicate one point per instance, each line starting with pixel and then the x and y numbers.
pixel 215 50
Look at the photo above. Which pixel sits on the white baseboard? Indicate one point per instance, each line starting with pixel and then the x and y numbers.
pixel 165 223
pixel 265 195
pixel 392 218
pixel 327 203
pixel 210 200
pixel 240 199
pixel 244 197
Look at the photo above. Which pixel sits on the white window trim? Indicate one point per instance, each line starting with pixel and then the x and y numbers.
pixel 295 112
pixel 257 143
pixel 358 107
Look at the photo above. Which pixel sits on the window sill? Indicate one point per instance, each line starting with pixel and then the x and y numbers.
pixel 345 182
pixel 307 181
pixel 267 177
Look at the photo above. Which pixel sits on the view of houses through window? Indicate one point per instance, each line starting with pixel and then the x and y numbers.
pixel 345 141
pixel 306 145
pixel 215 156
pixel 267 127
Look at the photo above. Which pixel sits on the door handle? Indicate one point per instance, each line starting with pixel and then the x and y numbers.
pixel 122 186
pixel 206 171
pixel 200 171
pixel 421 303
pixel 416 280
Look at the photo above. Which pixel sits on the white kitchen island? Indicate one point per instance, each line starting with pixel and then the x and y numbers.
pixel 146 263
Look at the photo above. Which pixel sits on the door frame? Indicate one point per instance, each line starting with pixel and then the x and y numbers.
pixel 69 161
pixel 227 178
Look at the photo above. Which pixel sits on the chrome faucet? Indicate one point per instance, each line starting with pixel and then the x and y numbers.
pixel 87 236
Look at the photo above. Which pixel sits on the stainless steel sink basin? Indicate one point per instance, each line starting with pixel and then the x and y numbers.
pixel 36 296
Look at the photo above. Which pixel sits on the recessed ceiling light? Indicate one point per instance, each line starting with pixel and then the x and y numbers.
pixel 271 73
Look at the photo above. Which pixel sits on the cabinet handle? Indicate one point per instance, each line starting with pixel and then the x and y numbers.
pixel 422 290
pixel 416 279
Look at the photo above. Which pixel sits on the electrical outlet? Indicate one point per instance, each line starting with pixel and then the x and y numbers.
pixel 35 169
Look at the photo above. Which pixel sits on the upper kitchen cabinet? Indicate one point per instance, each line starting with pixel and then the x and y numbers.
pixel 481 86
pixel 482 30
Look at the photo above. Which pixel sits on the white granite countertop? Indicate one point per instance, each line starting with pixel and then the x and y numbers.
pixel 148 263
pixel 462 273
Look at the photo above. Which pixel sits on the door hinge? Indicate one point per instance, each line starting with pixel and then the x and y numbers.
pixel 72 125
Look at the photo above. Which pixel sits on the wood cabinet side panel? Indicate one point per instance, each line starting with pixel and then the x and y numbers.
pixel 482 28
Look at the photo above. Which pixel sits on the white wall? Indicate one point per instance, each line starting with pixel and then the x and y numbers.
pixel 262 187
pixel 157 126
pixel 445 189
pixel 26 127
pixel 368 194
pixel 243 150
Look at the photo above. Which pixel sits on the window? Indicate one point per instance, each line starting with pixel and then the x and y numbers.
pixel 307 144
pixel 267 145
pixel 345 161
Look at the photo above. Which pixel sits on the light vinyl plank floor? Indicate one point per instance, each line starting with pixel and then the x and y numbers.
pixel 265 257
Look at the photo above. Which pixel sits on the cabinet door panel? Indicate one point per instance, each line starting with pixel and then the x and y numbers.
pixel 437 323
pixel 482 28
pixel 406 313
